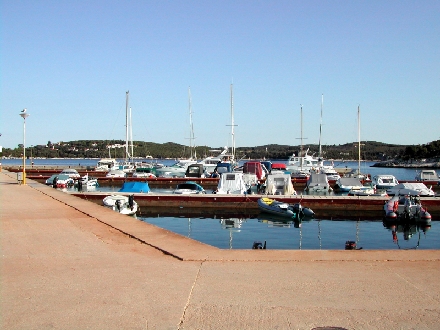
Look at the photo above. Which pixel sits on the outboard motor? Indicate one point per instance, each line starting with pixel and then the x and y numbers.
pixel 118 204
pixel 259 246
pixel 131 201
pixel 350 245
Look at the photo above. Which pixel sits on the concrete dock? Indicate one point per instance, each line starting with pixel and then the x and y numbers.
pixel 67 263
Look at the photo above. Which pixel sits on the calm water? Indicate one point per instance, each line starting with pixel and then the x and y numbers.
pixel 326 234
pixel 240 233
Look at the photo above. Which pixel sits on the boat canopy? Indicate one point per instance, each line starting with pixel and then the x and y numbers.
pixel 135 187
pixel 317 178
pixel 350 182
pixel 279 184
pixel 254 168
pixel 231 183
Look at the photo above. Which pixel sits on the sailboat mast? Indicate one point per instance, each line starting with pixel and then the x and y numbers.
pixel 359 140
pixel 232 122
pixel 126 124
pixel 191 126
pixel 320 128
pixel 131 137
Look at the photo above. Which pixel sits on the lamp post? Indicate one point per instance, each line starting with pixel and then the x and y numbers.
pixel 24 115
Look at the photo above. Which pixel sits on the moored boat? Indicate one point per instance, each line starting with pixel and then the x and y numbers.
pixel 122 204
pixel 294 211
pixel 406 207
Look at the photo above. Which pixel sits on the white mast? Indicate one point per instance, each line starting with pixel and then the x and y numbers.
pixel 232 123
pixel 191 128
pixel 127 154
pixel 320 128
pixel 359 141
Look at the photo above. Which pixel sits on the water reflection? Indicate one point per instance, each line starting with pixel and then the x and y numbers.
pixel 407 230
pixel 232 229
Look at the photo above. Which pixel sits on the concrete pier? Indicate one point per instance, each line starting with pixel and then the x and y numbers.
pixel 67 263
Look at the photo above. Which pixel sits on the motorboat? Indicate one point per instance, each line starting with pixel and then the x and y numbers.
pixel 305 163
pixel 344 184
pixel 279 184
pixel 116 174
pixel 295 211
pixel 210 162
pixel 63 181
pixel 251 182
pixel 89 182
pixel 411 188
pixel 177 170
pixel 367 190
pixel 255 167
pixel 330 172
pixel 71 172
pixel 231 183
pixel 277 168
pixel 318 182
pixel 195 171
pixel 427 175
pixel 107 164
pixel 406 207
pixel 384 181
pixel 121 203
pixel 189 188
pixel 144 172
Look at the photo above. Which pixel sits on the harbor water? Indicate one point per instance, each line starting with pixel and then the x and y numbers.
pixel 327 234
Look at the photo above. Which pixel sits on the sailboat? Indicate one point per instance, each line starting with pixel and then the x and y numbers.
pixel 300 166
pixel 128 165
pixel 179 168
pixel 210 163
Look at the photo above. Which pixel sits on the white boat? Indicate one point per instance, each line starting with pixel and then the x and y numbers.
pixel 116 174
pixel 177 170
pixel 72 173
pixel 302 164
pixel 210 162
pixel 279 184
pixel 231 183
pixel 295 211
pixel 318 183
pixel 107 164
pixel 365 190
pixel 427 175
pixel 143 172
pixel 346 184
pixel 330 172
pixel 88 182
pixel 406 207
pixel 189 188
pixel 411 188
pixel 384 181
pixel 122 204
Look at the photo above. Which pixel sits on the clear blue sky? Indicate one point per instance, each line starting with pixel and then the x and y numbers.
pixel 71 62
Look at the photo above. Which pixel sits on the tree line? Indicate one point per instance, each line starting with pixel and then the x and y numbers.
pixel 370 150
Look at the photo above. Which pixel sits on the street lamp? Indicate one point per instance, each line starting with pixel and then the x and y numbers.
pixel 24 115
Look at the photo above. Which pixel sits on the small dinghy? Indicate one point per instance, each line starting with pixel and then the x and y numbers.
pixel 122 204
pixel 406 207
pixel 295 211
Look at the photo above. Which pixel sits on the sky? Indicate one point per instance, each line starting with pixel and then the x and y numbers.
pixel 70 64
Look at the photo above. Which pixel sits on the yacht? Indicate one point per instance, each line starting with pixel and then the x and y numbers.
pixel 384 181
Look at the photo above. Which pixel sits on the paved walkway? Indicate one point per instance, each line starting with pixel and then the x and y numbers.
pixel 67 263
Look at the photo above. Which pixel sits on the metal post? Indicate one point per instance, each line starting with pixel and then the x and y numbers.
pixel 24 115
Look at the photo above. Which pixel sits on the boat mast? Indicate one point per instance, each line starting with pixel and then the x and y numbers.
pixel 191 128
pixel 301 155
pixel 232 123
pixel 127 154
pixel 320 128
pixel 359 141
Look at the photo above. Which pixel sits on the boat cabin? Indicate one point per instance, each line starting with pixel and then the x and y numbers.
pixel 195 171
pixel 254 168
pixel 427 175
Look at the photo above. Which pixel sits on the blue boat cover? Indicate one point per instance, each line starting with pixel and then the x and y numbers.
pixel 135 187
